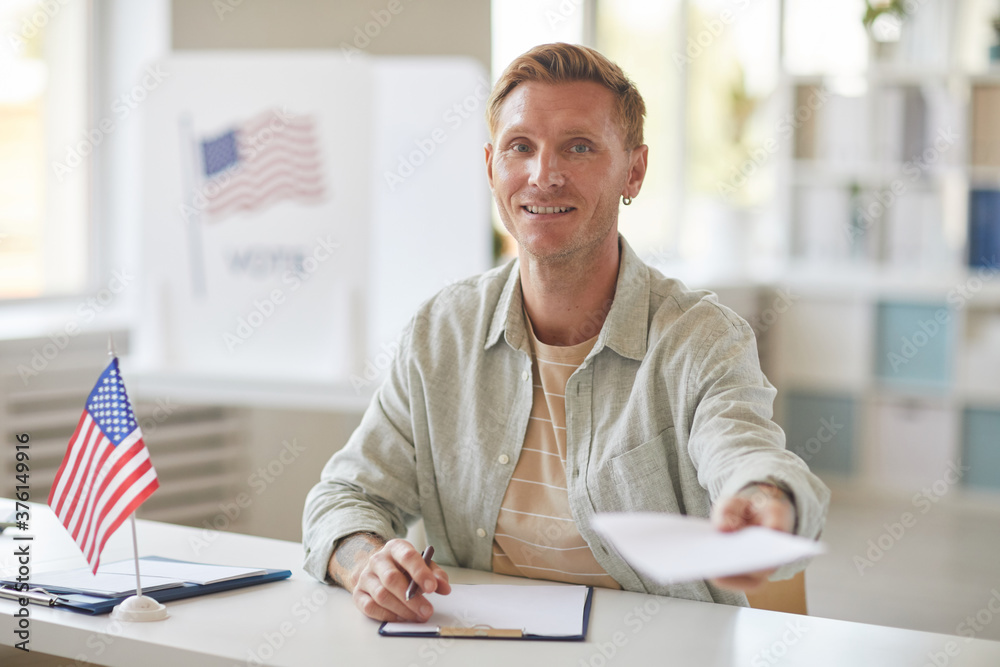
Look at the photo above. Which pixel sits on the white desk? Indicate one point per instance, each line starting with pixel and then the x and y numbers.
pixel 300 622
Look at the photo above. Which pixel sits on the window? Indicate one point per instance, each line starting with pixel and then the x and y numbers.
pixel 45 148
pixel 643 38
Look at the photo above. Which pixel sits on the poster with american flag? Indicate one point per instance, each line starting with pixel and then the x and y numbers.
pixel 106 472
pixel 250 166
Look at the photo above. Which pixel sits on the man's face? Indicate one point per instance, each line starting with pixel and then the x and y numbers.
pixel 558 167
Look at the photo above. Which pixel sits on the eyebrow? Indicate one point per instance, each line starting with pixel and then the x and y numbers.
pixel 573 131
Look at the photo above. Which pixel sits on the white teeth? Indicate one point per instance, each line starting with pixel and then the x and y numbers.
pixel 547 209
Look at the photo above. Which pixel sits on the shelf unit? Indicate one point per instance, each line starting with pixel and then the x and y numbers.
pixel 888 365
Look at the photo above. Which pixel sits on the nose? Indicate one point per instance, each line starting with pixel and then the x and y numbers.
pixel 546 170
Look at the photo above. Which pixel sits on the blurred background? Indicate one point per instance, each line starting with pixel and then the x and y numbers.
pixel 830 169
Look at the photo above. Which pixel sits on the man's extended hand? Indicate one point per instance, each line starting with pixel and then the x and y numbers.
pixel 377 574
pixel 756 505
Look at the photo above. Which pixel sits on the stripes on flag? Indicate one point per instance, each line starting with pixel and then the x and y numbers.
pixel 273 157
pixel 106 472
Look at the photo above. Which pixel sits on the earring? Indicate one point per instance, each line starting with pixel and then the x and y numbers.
pixel 626 200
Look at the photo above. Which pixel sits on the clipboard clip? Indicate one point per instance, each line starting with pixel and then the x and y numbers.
pixel 35 595
pixel 480 631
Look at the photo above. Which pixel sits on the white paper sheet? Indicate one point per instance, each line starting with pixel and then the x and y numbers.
pixel 672 548
pixel 551 611
pixel 195 573
pixel 102 584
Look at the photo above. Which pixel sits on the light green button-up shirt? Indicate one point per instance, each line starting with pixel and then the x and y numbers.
pixel 669 412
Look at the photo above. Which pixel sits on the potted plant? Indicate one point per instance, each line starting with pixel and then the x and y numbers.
pixel 883 20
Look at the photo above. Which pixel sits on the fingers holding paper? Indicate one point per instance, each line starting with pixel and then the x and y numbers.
pixel 380 588
pixel 763 505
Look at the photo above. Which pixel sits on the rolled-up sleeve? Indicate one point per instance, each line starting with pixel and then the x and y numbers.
pixel 371 484
pixel 733 441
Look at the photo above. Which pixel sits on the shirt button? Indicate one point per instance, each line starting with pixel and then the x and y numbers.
pixel 525 375
pixel 504 459
pixel 480 532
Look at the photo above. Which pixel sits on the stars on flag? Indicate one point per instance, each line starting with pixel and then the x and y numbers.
pixel 109 406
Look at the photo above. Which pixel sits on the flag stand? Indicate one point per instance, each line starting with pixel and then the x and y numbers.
pixel 138 607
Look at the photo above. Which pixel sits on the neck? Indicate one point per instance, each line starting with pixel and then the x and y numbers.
pixel 569 299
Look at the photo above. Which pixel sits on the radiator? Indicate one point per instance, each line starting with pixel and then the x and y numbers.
pixel 197 451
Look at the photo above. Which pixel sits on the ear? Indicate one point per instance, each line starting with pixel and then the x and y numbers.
pixel 636 171
pixel 489 163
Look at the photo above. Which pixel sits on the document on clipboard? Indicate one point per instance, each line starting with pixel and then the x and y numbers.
pixel 491 611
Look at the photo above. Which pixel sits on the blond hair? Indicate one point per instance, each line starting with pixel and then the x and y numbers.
pixel 563 63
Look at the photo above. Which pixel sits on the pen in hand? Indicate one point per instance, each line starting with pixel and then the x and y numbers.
pixel 414 588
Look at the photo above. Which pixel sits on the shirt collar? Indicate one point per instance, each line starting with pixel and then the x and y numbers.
pixel 625 327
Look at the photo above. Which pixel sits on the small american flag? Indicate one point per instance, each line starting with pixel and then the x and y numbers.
pixel 270 158
pixel 106 472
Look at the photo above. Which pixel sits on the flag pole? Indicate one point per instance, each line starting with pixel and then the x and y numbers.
pixel 137 607
pixel 189 174
pixel 135 541
pixel 135 552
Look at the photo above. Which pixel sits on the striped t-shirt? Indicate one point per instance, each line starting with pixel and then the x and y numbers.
pixel 536 536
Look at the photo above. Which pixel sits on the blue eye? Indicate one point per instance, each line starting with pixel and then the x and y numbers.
pixel 584 148
pixel 520 148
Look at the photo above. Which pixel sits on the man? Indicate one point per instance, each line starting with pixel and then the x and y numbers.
pixel 571 381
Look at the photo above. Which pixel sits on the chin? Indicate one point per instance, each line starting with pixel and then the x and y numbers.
pixel 545 246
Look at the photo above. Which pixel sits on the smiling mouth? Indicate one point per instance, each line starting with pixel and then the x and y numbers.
pixel 547 210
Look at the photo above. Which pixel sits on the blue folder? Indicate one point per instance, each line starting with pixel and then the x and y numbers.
pixel 65 598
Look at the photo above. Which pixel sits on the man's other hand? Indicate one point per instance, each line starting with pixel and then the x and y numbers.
pixel 377 573
pixel 755 505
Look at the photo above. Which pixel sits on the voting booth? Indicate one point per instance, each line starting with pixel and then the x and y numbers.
pixel 299 206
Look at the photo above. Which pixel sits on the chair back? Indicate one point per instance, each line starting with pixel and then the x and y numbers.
pixel 787 595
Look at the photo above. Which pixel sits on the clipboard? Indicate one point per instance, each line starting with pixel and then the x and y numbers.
pixel 487 631
pixel 71 600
